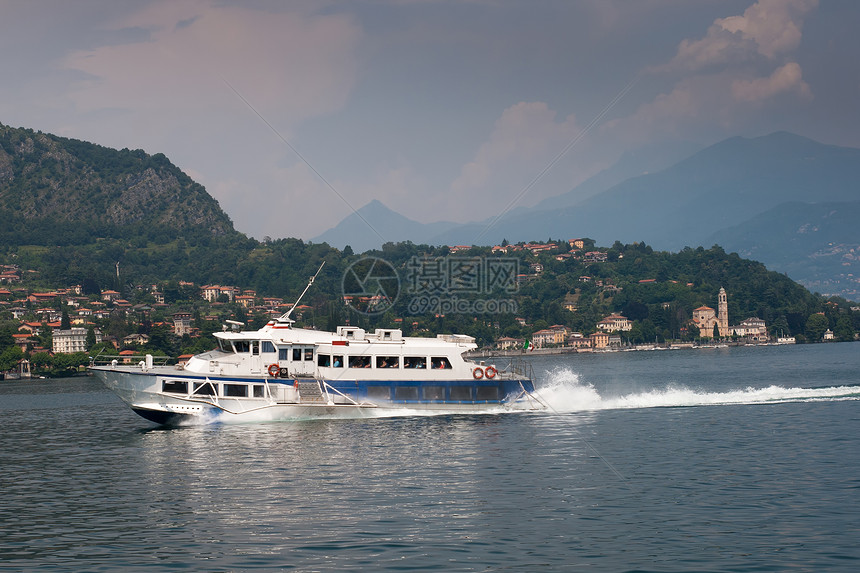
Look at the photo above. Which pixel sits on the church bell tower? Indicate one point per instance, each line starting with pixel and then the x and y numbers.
pixel 723 312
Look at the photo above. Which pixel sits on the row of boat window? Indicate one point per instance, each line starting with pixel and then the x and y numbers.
pixel 210 389
pixel 408 393
pixel 303 354
pixel 415 362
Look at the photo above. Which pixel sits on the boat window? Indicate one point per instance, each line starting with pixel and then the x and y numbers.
pixel 406 392
pixel 175 386
pixel 259 391
pixel 236 390
pixel 309 353
pixel 204 389
pixel 324 360
pixel 387 362
pixel 267 346
pixel 490 393
pixel 359 361
pixel 225 345
pixel 461 392
pixel 414 362
pixel 297 354
pixel 255 348
pixel 242 345
pixel 283 354
pixel 440 362
pixel 379 392
pixel 434 392
pixel 338 361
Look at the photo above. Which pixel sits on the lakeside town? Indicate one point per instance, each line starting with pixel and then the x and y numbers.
pixel 76 320
pixel 713 327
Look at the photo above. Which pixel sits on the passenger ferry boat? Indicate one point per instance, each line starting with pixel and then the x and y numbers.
pixel 280 372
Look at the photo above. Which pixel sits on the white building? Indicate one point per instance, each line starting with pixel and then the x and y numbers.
pixel 615 323
pixel 73 340
pixel 752 328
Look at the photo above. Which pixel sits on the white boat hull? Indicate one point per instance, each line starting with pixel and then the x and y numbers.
pixel 277 400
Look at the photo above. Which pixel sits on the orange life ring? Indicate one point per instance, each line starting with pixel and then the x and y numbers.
pixel 273 370
pixel 478 373
pixel 491 372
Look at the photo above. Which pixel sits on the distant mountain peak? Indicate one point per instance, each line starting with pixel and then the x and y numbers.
pixel 375 223
pixel 375 204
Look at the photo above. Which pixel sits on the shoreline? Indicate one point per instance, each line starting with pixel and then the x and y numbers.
pixel 488 353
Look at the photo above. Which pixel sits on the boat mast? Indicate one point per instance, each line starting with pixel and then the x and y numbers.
pixel 286 316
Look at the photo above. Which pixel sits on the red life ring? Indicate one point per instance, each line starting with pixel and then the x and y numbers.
pixel 478 373
pixel 273 370
pixel 491 372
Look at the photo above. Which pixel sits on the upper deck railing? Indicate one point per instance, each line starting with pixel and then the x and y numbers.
pixel 129 359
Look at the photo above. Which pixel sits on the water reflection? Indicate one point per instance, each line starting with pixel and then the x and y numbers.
pixel 729 487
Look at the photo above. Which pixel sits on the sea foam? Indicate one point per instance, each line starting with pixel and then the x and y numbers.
pixel 564 391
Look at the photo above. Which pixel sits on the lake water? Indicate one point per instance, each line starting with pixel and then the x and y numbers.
pixel 741 459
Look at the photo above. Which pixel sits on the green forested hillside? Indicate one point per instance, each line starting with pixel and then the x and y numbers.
pixel 676 283
pixel 59 191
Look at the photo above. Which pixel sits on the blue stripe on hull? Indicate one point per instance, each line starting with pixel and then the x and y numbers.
pixel 435 391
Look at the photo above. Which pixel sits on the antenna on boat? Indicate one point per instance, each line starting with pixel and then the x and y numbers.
pixel 286 316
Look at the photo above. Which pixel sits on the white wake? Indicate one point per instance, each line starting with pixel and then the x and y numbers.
pixel 563 391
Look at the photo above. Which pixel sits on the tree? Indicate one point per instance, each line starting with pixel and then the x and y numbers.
pixel 816 324
pixel 6 338
pixel 693 331
pixel 90 286
pixel 10 357
pixel 843 331
pixel 780 327
pixel 635 310
pixel 41 361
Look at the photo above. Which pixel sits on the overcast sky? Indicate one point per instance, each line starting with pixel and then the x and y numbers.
pixel 443 110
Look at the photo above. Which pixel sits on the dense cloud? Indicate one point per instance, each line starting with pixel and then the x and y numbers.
pixel 440 110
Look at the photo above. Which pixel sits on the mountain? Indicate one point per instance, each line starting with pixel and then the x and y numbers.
pixel 392 226
pixel 647 159
pixel 375 224
pixel 71 211
pixel 818 244
pixel 76 213
pixel 721 186
pixel 55 190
